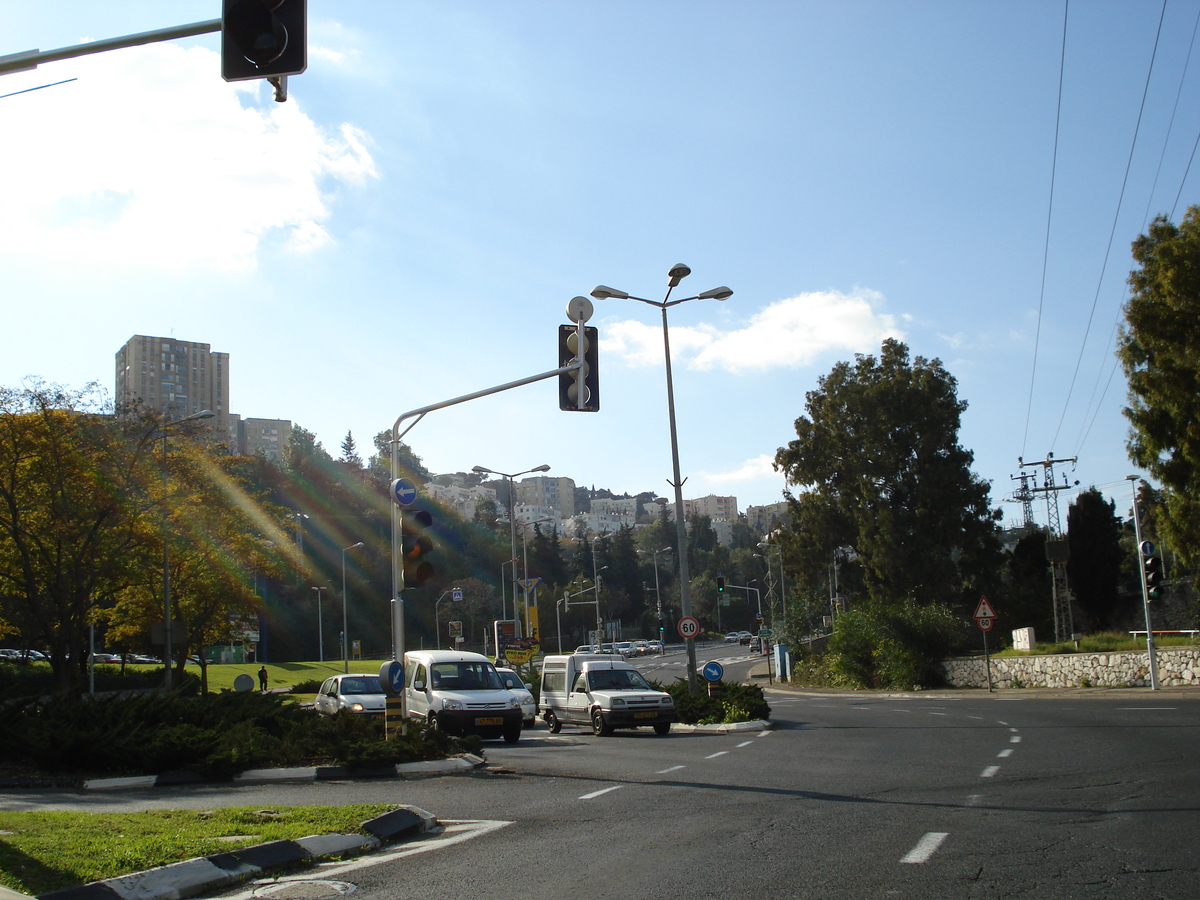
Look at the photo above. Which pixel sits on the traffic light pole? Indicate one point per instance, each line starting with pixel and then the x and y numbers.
pixel 1137 530
pixel 30 59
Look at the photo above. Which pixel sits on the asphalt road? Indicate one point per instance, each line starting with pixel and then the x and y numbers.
pixel 856 796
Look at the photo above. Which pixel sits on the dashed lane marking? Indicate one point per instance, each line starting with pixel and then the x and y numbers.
pixel 715 755
pixel 594 794
pixel 974 799
pixel 1003 753
pixel 926 847
pixel 672 769
pixel 1015 739
pixel 744 744
pixel 989 771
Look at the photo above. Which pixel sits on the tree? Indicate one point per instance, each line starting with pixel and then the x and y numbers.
pixel 884 478
pixel 1094 567
pixel 350 452
pixel 1160 352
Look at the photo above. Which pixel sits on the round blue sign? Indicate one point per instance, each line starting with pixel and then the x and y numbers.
pixel 391 677
pixel 713 671
pixel 404 491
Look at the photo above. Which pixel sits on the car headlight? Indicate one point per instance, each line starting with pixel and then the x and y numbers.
pixel 450 703
pixel 356 707
pixel 617 701
pixel 514 703
pixel 667 701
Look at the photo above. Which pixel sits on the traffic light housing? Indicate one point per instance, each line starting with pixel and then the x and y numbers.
pixel 1153 569
pixel 587 378
pixel 415 545
pixel 720 584
pixel 263 38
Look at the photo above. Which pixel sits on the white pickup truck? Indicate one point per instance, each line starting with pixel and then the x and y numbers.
pixel 603 691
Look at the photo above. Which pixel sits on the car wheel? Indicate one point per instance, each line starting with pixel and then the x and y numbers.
pixel 662 728
pixel 552 723
pixel 512 735
pixel 431 719
pixel 599 726
pixel 529 723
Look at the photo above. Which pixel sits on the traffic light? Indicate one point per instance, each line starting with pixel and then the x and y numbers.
pixel 263 38
pixel 720 584
pixel 415 545
pixel 1153 569
pixel 569 383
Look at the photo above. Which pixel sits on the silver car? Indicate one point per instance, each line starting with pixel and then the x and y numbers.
pixel 512 681
pixel 360 693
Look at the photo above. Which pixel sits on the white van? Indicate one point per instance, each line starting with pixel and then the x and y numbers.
pixel 602 691
pixel 460 693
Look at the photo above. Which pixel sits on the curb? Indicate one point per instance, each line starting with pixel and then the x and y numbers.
pixel 464 763
pixel 208 873
pixel 757 725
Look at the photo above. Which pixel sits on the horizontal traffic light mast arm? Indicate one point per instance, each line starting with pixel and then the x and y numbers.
pixel 397 434
pixel 29 59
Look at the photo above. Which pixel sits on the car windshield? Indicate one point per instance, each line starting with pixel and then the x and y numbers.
pixel 510 680
pixel 464 676
pixel 363 685
pixel 617 680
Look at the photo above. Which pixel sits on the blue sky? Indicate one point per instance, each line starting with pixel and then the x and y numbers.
pixel 410 225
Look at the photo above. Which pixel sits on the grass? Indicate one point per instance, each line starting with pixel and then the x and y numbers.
pixel 44 851
pixel 281 675
pixel 1102 642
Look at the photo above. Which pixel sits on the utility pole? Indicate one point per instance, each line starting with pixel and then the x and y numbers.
pixel 1057 552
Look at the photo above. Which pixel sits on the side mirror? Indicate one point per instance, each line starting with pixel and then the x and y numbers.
pixel 418 685
pixel 528 686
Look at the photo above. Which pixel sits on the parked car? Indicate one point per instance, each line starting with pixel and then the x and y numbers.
pixel 359 693
pixel 524 692
pixel 732 637
pixel 756 644
pixel 625 648
pixel 744 637
pixel 655 646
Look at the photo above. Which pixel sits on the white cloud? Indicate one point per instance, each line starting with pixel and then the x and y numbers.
pixel 788 333
pixel 751 470
pixel 151 160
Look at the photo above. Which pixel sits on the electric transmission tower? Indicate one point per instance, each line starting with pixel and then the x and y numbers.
pixel 1057 551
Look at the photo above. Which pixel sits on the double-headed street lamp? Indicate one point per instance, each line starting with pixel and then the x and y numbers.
pixel 512 519
pixel 454 594
pixel 166 556
pixel 657 593
pixel 320 628
pixel 677 273
pixel 345 632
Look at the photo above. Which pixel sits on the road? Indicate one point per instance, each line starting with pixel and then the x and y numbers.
pixel 855 796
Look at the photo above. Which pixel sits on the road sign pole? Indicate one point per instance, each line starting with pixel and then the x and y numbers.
pixel 987 661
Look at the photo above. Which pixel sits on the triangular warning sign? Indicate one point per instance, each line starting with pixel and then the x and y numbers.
pixel 984 609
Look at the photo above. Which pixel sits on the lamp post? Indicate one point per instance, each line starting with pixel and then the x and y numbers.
pixel 657 593
pixel 677 273
pixel 1151 658
pixel 166 556
pixel 765 545
pixel 345 632
pixel 512 520
pixel 454 593
pixel 320 631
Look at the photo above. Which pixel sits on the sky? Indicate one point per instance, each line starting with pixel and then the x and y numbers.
pixel 410 225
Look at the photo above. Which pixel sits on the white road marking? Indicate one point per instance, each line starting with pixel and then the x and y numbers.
pixel 925 847
pixel 764 734
pixel 1147 707
pixel 1004 753
pixel 1015 739
pixel 672 769
pixel 973 799
pixel 744 744
pixel 989 771
pixel 860 707
pixel 974 717
pixel 715 755
pixel 1002 723
pixel 1014 729
pixel 595 794
pixel 937 714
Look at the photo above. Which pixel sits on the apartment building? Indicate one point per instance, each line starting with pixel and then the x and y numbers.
pixel 764 519
pixel 174 377
pixel 555 493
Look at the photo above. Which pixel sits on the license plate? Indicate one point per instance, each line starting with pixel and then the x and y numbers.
pixel 490 720
pixel 645 715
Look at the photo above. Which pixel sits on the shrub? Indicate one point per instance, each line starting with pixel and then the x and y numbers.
pixel 736 703
pixel 310 686
pixel 893 646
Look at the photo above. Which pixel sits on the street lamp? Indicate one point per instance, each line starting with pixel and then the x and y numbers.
pixel 512 519
pixel 657 593
pixel 320 632
pixel 166 556
pixel 766 545
pixel 345 631
pixel 677 273
pixel 454 594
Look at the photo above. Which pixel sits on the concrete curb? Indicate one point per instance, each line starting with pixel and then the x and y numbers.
pixel 757 725
pixel 208 873
pixel 464 763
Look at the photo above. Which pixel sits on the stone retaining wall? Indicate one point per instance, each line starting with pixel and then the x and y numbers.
pixel 1176 666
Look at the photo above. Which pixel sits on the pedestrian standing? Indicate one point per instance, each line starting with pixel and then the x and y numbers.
pixel 262 679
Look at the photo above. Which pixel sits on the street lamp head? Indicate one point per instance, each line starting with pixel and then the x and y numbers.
pixel 203 414
pixel 719 293
pixel 678 272
pixel 544 467
pixel 601 292
pixel 359 544
pixel 482 470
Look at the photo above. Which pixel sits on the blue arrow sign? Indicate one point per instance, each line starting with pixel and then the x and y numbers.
pixel 391 677
pixel 713 671
pixel 404 491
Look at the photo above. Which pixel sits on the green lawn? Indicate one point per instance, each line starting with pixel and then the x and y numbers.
pixel 44 851
pixel 282 675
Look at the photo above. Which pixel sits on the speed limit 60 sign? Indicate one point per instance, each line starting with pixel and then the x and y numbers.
pixel 688 627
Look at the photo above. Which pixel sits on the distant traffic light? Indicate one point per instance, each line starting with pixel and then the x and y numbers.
pixel 586 378
pixel 1153 569
pixel 263 38
pixel 415 545
pixel 720 584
